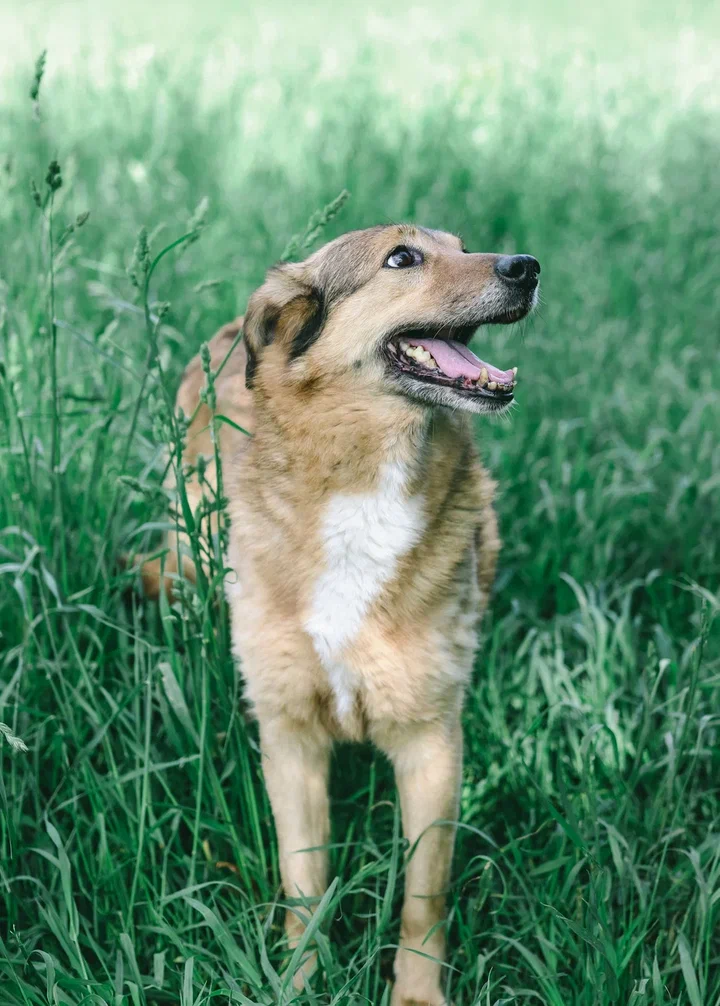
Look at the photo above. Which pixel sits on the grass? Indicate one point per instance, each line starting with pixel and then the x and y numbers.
pixel 137 855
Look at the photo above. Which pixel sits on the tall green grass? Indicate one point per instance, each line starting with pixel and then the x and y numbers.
pixel 137 855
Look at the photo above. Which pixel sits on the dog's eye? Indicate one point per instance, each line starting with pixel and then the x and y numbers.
pixel 403 257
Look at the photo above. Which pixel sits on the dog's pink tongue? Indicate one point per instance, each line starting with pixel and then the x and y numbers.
pixel 456 360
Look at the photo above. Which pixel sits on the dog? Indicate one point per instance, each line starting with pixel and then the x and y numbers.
pixel 363 540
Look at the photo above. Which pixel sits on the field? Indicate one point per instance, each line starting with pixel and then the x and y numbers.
pixel 137 854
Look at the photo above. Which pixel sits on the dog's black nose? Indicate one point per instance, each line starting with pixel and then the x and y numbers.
pixel 522 270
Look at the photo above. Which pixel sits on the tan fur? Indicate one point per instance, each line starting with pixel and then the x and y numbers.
pixel 334 436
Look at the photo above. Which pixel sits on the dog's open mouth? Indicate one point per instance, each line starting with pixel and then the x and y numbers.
pixel 438 359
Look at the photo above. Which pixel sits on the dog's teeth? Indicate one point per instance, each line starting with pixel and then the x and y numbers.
pixel 514 370
pixel 420 354
pixel 483 379
pixel 492 386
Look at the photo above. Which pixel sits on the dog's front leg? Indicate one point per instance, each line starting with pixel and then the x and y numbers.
pixel 295 764
pixel 428 764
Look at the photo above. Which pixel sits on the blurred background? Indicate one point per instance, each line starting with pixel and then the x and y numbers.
pixel 139 861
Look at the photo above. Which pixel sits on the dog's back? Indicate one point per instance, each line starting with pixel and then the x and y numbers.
pixel 233 401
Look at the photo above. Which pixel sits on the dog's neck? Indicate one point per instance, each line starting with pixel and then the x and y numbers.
pixel 344 439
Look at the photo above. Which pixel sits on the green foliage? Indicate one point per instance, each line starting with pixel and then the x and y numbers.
pixel 138 861
pixel 300 244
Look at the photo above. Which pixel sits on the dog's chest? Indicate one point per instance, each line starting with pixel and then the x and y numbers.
pixel 364 537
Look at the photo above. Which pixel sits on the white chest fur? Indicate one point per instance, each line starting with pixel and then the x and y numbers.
pixel 364 536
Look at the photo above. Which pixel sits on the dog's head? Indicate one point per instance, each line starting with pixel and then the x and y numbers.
pixel 392 308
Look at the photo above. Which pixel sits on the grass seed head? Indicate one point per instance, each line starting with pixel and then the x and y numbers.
pixel 53 179
pixel 140 265
pixel 38 76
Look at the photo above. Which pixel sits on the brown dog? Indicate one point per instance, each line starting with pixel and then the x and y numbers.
pixel 363 539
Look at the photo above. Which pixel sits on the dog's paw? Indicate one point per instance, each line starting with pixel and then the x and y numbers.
pixel 417 997
pixel 305 972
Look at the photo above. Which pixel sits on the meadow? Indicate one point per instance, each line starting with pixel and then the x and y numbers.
pixel 137 855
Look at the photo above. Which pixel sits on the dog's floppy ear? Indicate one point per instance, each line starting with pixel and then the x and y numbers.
pixel 286 309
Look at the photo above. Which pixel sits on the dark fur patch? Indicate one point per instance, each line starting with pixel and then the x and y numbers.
pixel 310 331
pixel 250 366
pixel 266 333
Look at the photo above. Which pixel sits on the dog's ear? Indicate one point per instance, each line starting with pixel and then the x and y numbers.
pixel 286 309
